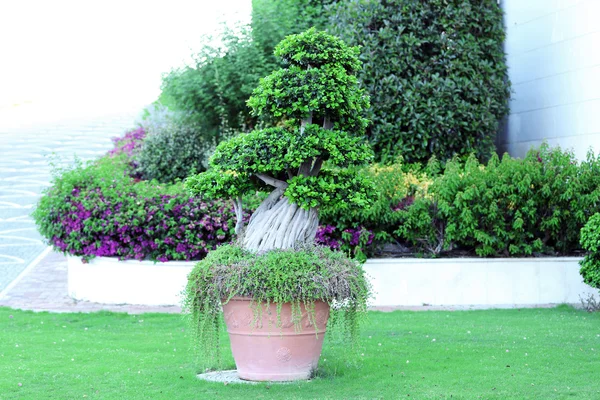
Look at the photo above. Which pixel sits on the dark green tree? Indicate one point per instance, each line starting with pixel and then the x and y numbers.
pixel 434 70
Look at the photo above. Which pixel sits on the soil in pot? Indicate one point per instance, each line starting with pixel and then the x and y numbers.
pixel 265 352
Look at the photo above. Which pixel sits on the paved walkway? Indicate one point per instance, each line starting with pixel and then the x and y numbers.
pixel 26 148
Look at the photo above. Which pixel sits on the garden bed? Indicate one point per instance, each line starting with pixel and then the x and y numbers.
pixel 396 281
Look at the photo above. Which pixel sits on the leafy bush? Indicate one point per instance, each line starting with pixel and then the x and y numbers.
pixel 298 276
pixel 435 73
pixel 509 207
pixel 590 241
pixel 173 151
pixel 97 209
pixel 353 229
pixel 130 143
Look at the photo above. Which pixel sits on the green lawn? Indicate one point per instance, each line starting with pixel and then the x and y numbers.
pixel 496 354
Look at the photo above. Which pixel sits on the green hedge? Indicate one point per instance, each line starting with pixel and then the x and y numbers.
pixel 435 72
pixel 509 207
pixel 590 241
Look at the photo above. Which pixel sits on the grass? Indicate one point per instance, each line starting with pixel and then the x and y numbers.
pixel 494 354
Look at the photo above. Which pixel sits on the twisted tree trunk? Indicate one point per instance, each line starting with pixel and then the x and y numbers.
pixel 279 224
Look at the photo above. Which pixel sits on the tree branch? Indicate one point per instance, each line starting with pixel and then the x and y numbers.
pixel 305 167
pixel 269 180
pixel 305 121
pixel 316 168
pixel 327 124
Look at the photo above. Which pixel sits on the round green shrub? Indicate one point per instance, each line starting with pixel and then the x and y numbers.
pixel 173 152
pixel 435 72
pixel 590 241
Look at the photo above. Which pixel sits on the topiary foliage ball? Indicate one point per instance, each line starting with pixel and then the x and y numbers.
pixel 318 104
pixel 590 241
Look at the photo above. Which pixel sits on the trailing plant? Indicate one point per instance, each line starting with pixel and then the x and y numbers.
pixel 590 241
pixel 299 276
pixel 435 71
pixel 98 209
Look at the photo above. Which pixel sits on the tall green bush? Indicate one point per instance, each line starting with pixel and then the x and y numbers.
pixel 435 73
pixel 212 93
pixel 172 151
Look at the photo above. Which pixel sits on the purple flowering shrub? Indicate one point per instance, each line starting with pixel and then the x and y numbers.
pixel 130 145
pixel 353 241
pixel 97 209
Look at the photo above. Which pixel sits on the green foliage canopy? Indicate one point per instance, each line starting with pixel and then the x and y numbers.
pixel 296 151
pixel 590 241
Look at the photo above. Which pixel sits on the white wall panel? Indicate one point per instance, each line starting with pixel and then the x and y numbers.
pixel 566 56
pixel 553 27
pixel 554 122
pixel 519 12
pixel 553 54
pixel 568 88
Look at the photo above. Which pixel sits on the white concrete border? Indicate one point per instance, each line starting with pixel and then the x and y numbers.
pixel 110 281
pixel 396 281
pixel 476 281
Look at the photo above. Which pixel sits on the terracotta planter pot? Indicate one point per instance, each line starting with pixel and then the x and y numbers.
pixel 268 353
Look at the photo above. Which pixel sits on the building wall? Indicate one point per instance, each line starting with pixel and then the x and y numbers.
pixel 553 55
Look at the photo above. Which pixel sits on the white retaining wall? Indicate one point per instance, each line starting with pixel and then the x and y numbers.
pixel 396 281
pixel 108 280
pixel 476 281
pixel 552 49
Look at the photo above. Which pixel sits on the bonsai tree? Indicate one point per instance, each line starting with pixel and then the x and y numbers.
pixel 316 106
